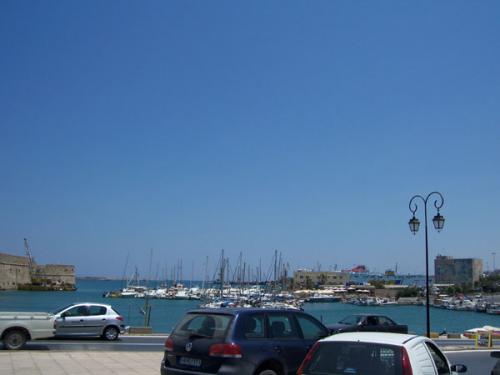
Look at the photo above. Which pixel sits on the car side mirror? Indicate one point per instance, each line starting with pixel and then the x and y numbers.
pixel 459 368
pixel 64 315
pixel 495 354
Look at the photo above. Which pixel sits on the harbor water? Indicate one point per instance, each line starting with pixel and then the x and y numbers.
pixel 165 313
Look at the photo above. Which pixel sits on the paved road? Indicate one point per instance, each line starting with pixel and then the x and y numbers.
pixel 478 361
pixel 124 343
pixel 156 342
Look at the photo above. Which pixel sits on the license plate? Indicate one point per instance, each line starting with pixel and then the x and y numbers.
pixel 188 361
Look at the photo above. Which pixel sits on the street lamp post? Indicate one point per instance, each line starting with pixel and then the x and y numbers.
pixel 414 224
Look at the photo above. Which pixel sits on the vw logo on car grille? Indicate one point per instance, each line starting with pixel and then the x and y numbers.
pixel 189 346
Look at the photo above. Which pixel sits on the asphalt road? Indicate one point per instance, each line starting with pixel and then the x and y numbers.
pixel 156 342
pixel 478 362
pixel 124 343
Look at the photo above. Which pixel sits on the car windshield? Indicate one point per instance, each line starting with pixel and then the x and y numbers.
pixel 340 358
pixel 351 320
pixel 61 309
pixel 203 325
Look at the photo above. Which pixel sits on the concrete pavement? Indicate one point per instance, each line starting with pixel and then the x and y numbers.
pixel 35 362
pixel 104 362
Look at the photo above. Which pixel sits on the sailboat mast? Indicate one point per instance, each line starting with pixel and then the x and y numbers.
pixel 205 276
pixel 222 266
pixel 275 267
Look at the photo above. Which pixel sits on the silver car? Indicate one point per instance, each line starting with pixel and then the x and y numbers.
pixel 89 319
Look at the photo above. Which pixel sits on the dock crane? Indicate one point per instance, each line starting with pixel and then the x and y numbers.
pixel 31 260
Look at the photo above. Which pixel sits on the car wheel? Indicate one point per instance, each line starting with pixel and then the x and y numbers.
pixel 14 340
pixel 267 371
pixel 110 333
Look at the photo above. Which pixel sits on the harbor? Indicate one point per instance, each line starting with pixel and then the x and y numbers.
pixel 259 296
pixel 165 313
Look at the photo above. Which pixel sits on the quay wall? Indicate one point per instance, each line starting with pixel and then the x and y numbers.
pixel 15 271
pixel 57 273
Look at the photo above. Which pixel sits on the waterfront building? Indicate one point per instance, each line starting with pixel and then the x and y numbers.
pixel 390 278
pixel 448 270
pixel 304 278
pixel 360 275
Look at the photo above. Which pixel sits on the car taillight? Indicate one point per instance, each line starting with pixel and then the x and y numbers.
pixel 119 318
pixel 230 350
pixel 308 358
pixel 169 345
pixel 405 361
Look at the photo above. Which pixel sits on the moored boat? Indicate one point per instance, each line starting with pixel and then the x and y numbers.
pixel 319 298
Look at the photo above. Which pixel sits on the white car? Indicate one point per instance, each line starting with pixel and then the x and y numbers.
pixel 376 353
pixel 89 319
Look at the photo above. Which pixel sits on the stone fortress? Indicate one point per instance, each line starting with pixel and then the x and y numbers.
pixel 21 272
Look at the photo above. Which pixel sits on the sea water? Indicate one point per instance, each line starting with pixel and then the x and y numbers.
pixel 166 313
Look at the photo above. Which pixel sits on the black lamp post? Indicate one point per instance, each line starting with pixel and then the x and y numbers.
pixel 414 224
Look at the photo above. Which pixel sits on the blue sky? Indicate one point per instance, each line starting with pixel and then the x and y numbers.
pixel 188 127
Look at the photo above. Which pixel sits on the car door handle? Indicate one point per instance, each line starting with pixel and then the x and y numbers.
pixel 81 320
pixel 103 319
pixel 277 349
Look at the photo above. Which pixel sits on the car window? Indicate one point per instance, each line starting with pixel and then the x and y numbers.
pixel 371 321
pixel 77 311
pixel 204 325
pixel 115 311
pixel 351 320
pixel 438 358
pixel 281 326
pixel 385 321
pixel 61 309
pixel 97 310
pixel 311 330
pixel 355 358
pixel 255 326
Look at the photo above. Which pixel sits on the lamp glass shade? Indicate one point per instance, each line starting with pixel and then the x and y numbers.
pixel 438 222
pixel 414 224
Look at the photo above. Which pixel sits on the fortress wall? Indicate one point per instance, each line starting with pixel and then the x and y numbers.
pixel 13 259
pixel 57 273
pixel 14 270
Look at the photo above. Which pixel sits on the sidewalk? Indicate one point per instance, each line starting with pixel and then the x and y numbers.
pixel 34 362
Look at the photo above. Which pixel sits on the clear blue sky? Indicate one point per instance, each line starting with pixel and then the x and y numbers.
pixel 304 126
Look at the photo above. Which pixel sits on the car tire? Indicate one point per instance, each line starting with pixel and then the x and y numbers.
pixel 14 340
pixel 267 371
pixel 110 333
